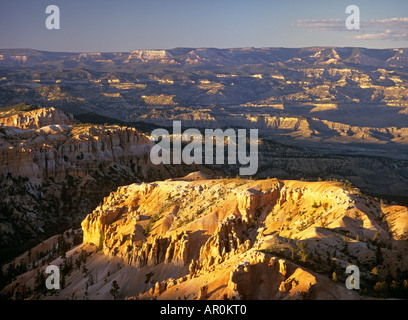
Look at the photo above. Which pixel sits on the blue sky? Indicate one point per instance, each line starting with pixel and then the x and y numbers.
pixel 125 25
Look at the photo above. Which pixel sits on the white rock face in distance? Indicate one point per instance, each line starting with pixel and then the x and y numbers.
pixel 148 55
pixel 48 143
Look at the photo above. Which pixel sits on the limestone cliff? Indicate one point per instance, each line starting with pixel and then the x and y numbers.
pixel 53 170
pixel 203 238
pixel 51 144
pixel 35 119
pixel 239 239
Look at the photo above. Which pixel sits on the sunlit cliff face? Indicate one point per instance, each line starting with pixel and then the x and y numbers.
pixel 323 115
pixel 204 238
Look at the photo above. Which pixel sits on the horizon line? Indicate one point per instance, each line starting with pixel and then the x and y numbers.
pixel 216 48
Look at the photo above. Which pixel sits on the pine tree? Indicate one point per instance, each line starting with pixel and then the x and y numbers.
pixel 39 282
pixel 115 290
pixel 62 281
pixel 378 255
pixel 84 270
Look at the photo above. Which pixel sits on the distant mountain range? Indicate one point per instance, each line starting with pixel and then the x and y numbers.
pixel 208 57
pixel 354 86
pixel 333 137
pixel 346 95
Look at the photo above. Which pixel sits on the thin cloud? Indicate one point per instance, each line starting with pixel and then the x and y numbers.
pixel 399 22
pixel 387 35
pixel 395 28
pixel 320 24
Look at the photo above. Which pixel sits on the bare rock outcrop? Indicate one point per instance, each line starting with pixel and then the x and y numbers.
pixel 47 142
pixel 262 239
pixel 230 238
pixel 239 239
pixel 59 169
pixel 36 119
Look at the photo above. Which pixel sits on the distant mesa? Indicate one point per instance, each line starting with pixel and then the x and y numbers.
pixel 148 55
pixel 214 56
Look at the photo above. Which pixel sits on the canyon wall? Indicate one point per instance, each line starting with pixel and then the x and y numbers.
pixel 260 239
pixel 54 170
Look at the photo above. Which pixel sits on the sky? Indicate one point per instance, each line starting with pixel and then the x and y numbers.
pixel 126 25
